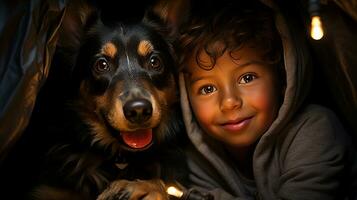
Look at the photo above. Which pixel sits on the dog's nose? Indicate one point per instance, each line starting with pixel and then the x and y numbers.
pixel 138 110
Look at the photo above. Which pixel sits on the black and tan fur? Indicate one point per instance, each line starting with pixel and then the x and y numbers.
pixel 123 79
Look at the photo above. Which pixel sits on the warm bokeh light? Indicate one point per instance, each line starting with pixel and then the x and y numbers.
pixel 316 28
pixel 174 192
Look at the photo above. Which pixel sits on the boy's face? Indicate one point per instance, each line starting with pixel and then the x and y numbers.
pixel 237 100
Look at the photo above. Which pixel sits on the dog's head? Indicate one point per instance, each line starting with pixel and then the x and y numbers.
pixel 125 78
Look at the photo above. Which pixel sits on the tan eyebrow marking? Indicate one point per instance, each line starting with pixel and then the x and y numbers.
pixel 109 49
pixel 145 47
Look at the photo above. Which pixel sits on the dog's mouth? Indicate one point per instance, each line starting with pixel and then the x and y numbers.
pixel 139 139
pixel 132 123
pixel 136 140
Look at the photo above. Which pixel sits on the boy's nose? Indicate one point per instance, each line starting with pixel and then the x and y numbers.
pixel 231 100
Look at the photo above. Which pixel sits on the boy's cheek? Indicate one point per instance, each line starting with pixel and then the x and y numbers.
pixel 202 110
pixel 265 98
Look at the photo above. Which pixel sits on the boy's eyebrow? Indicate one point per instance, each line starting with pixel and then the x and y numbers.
pixel 242 65
pixel 192 81
pixel 250 62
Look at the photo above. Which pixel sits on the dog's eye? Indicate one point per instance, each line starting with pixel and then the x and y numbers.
pixel 155 62
pixel 101 66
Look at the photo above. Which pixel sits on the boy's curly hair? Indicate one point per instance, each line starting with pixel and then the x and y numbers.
pixel 231 26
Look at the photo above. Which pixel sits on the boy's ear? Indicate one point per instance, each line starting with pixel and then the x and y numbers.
pixel 172 13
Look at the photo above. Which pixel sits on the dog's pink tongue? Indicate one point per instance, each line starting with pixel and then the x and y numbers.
pixel 137 139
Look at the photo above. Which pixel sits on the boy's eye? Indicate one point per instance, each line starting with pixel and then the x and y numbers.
pixel 247 78
pixel 207 89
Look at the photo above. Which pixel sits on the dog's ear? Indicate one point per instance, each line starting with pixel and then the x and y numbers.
pixel 78 16
pixel 170 13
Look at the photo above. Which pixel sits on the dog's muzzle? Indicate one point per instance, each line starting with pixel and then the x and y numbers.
pixel 138 111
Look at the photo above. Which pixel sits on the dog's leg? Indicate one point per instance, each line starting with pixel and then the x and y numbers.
pixel 135 190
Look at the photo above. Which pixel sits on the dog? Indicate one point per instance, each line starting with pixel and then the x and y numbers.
pixel 118 132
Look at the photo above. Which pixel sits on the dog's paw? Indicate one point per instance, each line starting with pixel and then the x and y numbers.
pixel 134 190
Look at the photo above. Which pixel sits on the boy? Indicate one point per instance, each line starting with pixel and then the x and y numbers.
pixel 253 134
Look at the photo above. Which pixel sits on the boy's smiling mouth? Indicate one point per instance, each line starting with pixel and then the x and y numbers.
pixel 236 125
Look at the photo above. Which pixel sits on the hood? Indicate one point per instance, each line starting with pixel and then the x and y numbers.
pixel 297 79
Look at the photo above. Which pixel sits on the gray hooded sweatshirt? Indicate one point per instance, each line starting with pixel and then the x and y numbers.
pixel 305 154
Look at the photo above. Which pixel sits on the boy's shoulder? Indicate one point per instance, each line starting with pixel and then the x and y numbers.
pixel 317 115
pixel 317 110
pixel 316 128
pixel 316 142
pixel 315 125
